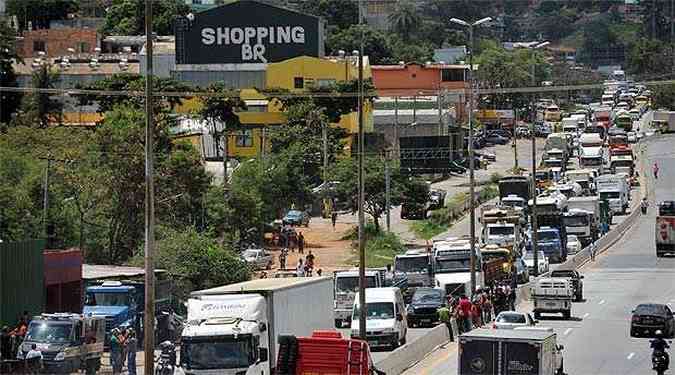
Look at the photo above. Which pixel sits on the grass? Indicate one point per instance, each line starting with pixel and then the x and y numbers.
pixel 381 250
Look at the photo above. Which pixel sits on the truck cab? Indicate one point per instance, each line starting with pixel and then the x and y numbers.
pixel 581 223
pixel 550 242
pixel 452 265
pixel 416 264
pixel 117 303
pixel 614 189
pixel 621 164
pixel 665 229
pixel 515 202
pixel 68 342
pixel 346 285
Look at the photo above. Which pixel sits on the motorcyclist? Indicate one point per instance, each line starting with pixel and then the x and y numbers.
pixel 643 205
pixel 660 345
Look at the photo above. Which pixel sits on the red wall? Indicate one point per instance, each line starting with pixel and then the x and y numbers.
pixel 63 280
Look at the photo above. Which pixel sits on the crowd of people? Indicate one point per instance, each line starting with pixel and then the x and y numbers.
pixel 123 347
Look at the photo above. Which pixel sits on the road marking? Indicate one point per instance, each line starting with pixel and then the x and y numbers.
pixel 630 356
pixel 586 315
pixel 567 331
pixel 601 302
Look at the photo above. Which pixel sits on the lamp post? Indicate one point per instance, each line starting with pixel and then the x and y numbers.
pixel 535 237
pixel 472 182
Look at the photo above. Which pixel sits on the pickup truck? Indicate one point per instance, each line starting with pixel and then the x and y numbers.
pixel 577 283
pixel 553 295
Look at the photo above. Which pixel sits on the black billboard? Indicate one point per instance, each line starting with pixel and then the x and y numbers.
pixel 425 154
pixel 247 32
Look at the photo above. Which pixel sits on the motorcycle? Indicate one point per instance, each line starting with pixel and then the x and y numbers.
pixel 659 362
pixel 166 364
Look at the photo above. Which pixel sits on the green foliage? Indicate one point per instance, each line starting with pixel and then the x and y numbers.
pixel 41 108
pixel 381 249
pixel 337 13
pixel 664 96
pixel 127 17
pixel 375 43
pixel 195 260
pixel 20 184
pixel 404 19
pixel 39 12
pixel 649 57
pixel 427 229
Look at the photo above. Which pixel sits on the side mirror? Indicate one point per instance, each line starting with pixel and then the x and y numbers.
pixel 581 277
pixel 399 317
pixel 263 354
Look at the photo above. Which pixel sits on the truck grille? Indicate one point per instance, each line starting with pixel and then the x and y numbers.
pixel 49 356
pixel 425 311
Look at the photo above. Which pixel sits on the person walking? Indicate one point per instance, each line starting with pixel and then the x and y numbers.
pixel 301 243
pixel 282 258
pixel 333 219
pixel 309 260
pixel 593 250
pixel 656 170
pixel 465 307
pixel 33 360
pixel 132 347
pixel 445 318
pixel 116 352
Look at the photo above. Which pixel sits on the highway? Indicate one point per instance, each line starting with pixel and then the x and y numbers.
pixel 597 339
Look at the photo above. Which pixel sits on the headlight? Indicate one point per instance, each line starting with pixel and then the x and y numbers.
pixel 60 356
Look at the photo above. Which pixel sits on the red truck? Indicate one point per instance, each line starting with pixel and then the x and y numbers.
pixel 324 353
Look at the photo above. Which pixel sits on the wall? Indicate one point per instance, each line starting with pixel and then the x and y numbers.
pixel 21 279
pixel 410 79
pixel 57 41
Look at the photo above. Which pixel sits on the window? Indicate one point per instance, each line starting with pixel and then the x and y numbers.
pixel 298 83
pixel 244 138
pixel 39 46
pixel 452 75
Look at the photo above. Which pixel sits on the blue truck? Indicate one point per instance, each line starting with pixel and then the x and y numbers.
pixel 550 241
pixel 122 303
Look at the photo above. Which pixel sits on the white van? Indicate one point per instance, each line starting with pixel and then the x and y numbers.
pixel 387 319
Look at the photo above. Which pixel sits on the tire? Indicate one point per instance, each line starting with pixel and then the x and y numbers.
pixel 567 314
pixel 561 369
pixel 537 315
pixel 338 323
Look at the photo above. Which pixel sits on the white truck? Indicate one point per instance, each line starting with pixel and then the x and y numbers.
pixel 590 140
pixel 234 329
pixel 552 296
pixel 615 190
pixel 665 229
pixel 346 286
pixel 416 264
pixel 582 224
pixel 583 177
pixel 452 268
pixel 592 157
pixel 621 164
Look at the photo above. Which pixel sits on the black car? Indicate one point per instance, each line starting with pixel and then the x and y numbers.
pixel 650 317
pixel 423 309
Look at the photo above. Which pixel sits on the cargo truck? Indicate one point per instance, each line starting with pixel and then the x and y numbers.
pixel 524 350
pixel 235 329
pixel 664 121
pixel 520 186
pixel 665 229
pixel 614 189
pixel 416 264
pixel 582 224
pixel 553 295
pixel 452 265
pixel 346 286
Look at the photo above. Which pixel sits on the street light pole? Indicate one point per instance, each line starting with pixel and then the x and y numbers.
pixel 472 182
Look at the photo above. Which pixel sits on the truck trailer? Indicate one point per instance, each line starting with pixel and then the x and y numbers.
pixel 665 229
pixel 235 329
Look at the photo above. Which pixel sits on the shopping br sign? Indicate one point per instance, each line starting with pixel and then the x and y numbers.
pixel 247 32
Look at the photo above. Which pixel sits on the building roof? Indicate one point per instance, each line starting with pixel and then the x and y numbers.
pixel 100 271
pixel 76 68
pixel 260 285
pixel 424 66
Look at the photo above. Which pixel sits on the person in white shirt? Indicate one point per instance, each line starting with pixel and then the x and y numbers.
pixel 300 270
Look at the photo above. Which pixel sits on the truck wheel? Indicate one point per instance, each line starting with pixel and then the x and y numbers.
pixel 338 323
pixel 537 315
pixel 567 314
pixel 561 369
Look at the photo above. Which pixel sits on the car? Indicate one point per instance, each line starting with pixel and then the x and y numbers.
pixel 632 137
pixel 496 139
pixel 522 272
pixel 257 258
pixel 424 305
pixel 528 257
pixel 501 132
pixel 576 277
pixel 487 156
pixel 573 244
pixel 296 217
pixel 647 318
pixel 437 199
pixel 513 319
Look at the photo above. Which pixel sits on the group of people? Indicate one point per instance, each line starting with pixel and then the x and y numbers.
pixel 123 347
pixel 306 268
pixel 291 239
pixel 11 339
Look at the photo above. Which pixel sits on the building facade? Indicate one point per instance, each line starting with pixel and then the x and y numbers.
pixel 57 42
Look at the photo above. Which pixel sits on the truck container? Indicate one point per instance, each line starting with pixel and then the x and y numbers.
pixel 21 264
pixel 553 295
pixel 531 351
pixel 614 189
pixel 235 329
pixel 665 229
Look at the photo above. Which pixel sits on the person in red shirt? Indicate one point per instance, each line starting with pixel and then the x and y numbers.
pixel 465 307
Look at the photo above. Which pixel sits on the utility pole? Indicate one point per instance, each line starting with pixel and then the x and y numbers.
pixel 45 200
pixel 515 143
pixel 324 136
pixel 387 189
pixel 149 314
pixel 396 144
pixel 362 248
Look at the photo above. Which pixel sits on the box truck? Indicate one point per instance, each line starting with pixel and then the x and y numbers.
pixel 234 329
pixel 665 229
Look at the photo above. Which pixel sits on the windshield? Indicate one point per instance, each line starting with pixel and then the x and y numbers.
pixel 376 311
pixel 107 299
pixel 511 318
pixel 218 354
pixel 592 161
pixel 452 264
pixel 350 284
pixel 49 332
pixel 530 255
pixel 609 195
pixel 547 236
pixel 413 264
pixel 553 163
pixel 427 296
pixel 575 221
pixel 487 256
pixel 249 254
pixel 500 231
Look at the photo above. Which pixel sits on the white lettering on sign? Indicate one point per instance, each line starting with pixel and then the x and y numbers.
pixel 253 39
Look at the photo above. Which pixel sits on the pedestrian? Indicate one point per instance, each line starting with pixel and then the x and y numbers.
pixel 465 307
pixel 301 243
pixel 389 276
pixel 282 258
pixel 476 313
pixel 292 239
pixel 487 306
pixel 132 347
pixel 444 317
pixel 656 171
pixel 592 250
pixel 5 344
pixel 115 352
pixel 34 360
pixel 309 260
pixel 333 219
pixel 300 269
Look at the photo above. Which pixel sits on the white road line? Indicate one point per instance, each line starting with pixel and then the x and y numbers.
pixel 586 315
pixel 567 331
pixel 630 356
pixel 601 302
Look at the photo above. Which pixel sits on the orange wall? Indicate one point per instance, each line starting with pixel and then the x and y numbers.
pixel 410 80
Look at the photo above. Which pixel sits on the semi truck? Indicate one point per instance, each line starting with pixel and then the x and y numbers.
pixel 416 264
pixel 235 329
pixel 582 224
pixel 614 189
pixel 452 265
pixel 520 186
pixel 523 350
pixel 502 226
pixel 665 229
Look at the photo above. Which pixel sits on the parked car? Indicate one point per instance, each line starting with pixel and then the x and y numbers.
pixel 423 308
pixel 573 244
pixel 496 139
pixel 513 319
pixel 296 217
pixel 528 257
pixel 649 317
pixel 257 258
pixel 501 132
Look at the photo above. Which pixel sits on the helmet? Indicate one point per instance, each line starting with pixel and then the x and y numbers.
pixel 658 333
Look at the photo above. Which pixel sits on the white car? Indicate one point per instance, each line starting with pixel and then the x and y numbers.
pixel 513 319
pixel 632 137
pixel 528 257
pixel 573 244
pixel 258 259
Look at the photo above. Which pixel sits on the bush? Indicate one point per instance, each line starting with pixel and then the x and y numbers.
pixel 382 248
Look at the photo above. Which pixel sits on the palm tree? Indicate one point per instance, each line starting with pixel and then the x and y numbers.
pixel 404 18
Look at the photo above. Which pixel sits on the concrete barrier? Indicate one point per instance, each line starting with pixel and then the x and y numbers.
pixel 408 355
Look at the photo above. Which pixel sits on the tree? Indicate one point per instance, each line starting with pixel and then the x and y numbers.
pixel 8 100
pixel 41 108
pixel 39 12
pixel 664 96
pixel 127 17
pixel 402 50
pixel 338 14
pixel 649 57
pixel 375 43
pixel 404 19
